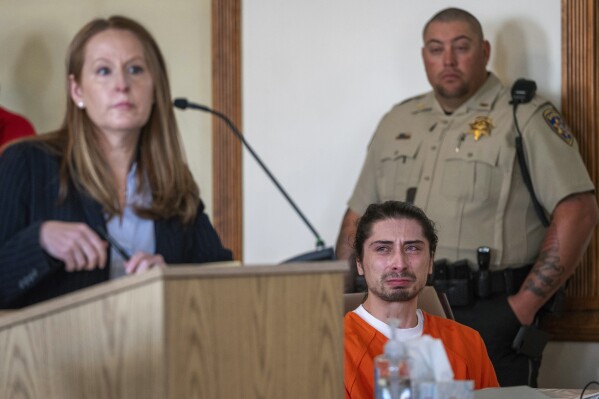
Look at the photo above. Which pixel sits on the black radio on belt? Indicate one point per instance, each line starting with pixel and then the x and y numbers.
pixel 455 280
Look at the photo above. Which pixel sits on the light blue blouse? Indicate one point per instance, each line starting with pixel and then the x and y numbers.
pixel 132 232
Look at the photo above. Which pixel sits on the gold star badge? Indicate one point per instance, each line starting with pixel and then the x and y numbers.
pixel 481 126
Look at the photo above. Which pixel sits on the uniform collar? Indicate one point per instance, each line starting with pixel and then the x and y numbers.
pixel 482 100
pixel 485 97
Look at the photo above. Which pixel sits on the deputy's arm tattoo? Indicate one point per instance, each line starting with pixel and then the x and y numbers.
pixel 547 273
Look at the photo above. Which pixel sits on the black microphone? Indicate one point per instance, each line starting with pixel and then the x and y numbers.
pixel 523 91
pixel 182 103
pixel 321 252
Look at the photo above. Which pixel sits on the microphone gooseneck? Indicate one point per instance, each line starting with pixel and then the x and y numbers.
pixel 183 104
pixel 180 103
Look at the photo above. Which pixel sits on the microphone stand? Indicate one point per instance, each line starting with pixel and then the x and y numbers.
pixel 322 252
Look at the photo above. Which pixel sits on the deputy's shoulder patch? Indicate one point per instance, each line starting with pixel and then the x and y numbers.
pixel 558 125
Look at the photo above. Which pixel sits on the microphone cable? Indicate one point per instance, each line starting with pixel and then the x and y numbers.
pixel 585 388
pixel 182 103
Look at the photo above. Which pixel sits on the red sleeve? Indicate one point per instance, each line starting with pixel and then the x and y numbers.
pixel 13 126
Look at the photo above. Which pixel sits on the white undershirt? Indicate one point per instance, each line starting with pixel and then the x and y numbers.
pixel 402 334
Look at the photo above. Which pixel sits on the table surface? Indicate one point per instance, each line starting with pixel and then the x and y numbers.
pixel 524 392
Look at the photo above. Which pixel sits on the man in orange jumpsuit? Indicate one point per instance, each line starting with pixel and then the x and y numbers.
pixel 394 246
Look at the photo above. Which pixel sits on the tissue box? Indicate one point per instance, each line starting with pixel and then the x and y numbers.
pixel 443 390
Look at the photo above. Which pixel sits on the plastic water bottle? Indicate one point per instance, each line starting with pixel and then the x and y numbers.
pixel 392 369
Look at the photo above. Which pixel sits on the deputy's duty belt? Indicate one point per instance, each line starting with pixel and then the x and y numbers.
pixel 463 286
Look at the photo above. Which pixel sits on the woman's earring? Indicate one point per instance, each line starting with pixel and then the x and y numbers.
pixel 81 105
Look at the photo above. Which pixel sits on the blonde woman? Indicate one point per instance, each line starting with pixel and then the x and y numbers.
pixel 114 169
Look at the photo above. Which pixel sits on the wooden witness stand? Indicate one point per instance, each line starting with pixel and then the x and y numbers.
pixel 183 332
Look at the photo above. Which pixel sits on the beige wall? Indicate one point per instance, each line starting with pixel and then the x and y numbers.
pixel 34 35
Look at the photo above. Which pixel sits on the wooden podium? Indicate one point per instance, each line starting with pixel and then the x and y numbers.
pixel 183 332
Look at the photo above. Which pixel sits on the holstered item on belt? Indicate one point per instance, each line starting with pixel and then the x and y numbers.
pixel 455 280
pixel 506 281
pixel 462 286
pixel 530 341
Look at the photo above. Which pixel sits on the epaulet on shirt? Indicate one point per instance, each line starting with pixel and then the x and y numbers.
pixel 406 104
pixel 401 104
pixel 416 105
pixel 415 98
pixel 527 110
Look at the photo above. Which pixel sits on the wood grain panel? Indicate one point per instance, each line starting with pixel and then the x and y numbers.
pixel 183 332
pixel 580 105
pixel 226 149
pixel 576 325
pixel 290 328
pixel 79 352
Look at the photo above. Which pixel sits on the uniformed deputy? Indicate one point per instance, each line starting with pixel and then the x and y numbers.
pixel 452 153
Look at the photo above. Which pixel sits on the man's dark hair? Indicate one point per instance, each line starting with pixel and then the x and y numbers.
pixel 456 14
pixel 392 210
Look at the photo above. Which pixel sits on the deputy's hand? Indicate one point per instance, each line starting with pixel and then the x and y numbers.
pixel 76 244
pixel 522 309
pixel 142 261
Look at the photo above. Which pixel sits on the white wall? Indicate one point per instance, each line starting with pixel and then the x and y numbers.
pixel 318 76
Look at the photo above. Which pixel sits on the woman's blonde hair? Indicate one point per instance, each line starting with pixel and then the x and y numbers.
pixel 160 157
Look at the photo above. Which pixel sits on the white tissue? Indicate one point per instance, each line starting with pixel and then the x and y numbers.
pixel 429 360
pixel 431 373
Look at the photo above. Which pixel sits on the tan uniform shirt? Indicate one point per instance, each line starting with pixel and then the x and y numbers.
pixel 473 189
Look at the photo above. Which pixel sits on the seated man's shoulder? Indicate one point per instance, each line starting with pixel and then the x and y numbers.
pixel 465 350
pixel 464 345
pixel 453 334
pixel 360 338
pixel 361 344
pixel 356 329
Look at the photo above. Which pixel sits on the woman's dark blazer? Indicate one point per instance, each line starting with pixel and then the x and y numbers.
pixel 29 196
